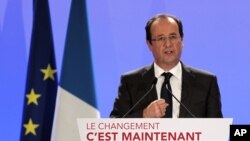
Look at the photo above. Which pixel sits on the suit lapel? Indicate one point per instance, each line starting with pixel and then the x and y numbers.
pixel 187 84
pixel 147 78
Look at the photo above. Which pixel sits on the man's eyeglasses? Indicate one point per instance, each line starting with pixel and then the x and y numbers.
pixel 163 39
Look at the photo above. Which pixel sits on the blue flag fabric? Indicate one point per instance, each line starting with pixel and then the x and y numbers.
pixel 76 95
pixel 77 76
pixel 41 83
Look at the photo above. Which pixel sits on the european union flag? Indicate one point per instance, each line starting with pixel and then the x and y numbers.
pixel 41 84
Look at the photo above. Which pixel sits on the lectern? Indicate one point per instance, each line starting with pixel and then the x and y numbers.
pixel 154 129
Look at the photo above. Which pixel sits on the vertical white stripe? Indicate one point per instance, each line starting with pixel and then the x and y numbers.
pixel 68 109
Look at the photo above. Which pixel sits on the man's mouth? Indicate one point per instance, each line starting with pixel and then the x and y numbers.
pixel 168 52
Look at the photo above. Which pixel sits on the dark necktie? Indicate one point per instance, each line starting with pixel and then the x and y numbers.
pixel 165 94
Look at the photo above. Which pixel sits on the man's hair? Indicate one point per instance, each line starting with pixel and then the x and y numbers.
pixel 162 16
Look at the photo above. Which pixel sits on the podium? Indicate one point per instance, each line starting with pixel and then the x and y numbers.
pixel 154 129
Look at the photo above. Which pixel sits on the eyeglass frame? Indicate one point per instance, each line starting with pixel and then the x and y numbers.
pixel 163 39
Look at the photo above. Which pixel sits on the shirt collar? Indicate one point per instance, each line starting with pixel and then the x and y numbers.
pixel 176 71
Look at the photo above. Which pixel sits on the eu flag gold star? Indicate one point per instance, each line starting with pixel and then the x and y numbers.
pixel 48 72
pixel 32 97
pixel 30 127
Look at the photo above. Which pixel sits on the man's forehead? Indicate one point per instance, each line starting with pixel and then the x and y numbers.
pixel 167 19
pixel 164 26
pixel 170 22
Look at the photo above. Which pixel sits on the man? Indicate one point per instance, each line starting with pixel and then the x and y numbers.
pixel 197 90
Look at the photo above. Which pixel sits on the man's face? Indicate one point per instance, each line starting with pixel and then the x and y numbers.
pixel 166 42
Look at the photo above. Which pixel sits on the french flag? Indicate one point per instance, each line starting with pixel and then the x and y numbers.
pixel 76 93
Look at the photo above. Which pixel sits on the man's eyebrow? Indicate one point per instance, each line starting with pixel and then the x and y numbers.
pixel 173 33
pixel 160 35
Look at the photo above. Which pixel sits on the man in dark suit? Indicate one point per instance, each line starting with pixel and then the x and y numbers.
pixel 197 90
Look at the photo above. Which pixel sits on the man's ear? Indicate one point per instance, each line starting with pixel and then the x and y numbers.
pixel 182 43
pixel 149 44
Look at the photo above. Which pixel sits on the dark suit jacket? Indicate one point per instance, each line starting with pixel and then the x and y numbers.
pixel 200 93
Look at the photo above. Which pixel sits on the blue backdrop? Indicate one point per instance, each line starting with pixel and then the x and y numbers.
pixel 216 39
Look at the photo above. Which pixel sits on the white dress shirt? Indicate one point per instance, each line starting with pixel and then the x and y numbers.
pixel 175 82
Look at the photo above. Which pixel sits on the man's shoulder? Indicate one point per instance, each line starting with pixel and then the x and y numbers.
pixel 140 75
pixel 197 71
pixel 138 71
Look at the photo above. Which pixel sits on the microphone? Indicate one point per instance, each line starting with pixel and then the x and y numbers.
pixel 181 103
pixel 152 86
